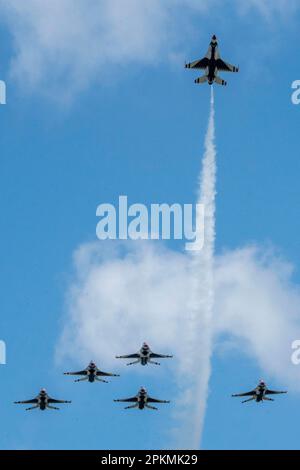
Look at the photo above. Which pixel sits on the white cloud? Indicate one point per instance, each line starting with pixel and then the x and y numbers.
pixel 124 295
pixel 63 45
pixel 121 298
pixel 133 293
pixel 258 305
pixel 269 8
pixel 69 43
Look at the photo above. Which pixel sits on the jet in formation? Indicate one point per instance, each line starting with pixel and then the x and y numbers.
pixel 259 394
pixel 91 373
pixel 141 401
pixel 144 356
pixel 212 64
pixel 42 401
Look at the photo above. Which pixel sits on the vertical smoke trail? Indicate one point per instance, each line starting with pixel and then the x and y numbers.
pixel 203 271
pixel 197 364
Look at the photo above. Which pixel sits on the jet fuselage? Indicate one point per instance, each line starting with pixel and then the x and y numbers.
pixel 260 393
pixel 43 401
pixel 212 64
pixel 142 400
pixel 145 355
pixel 91 373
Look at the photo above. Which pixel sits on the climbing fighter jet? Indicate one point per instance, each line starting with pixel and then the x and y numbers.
pixel 144 356
pixel 259 393
pixel 92 374
pixel 142 400
pixel 212 64
pixel 42 401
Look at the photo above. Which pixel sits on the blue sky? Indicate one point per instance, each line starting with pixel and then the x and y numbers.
pixel 138 129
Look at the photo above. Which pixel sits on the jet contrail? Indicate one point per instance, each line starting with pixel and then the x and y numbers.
pixel 202 265
pixel 197 364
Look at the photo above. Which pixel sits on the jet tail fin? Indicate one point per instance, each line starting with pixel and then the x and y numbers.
pixel 202 79
pixel 220 81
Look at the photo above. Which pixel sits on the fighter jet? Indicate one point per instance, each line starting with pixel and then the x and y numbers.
pixel 92 374
pixel 144 356
pixel 42 401
pixel 212 64
pixel 142 400
pixel 259 393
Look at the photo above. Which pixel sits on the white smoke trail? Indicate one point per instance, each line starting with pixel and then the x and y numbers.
pixel 203 268
pixel 202 296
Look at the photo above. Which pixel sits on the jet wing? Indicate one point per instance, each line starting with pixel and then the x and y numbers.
pixel 247 394
pixel 81 372
pixel 273 392
pixel 154 355
pixel 154 400
pixel 128 400
pixel 106 374
pixel 26 402
pixel 129 356
pixel 225 66
pixel 198 64
pixel 52 400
